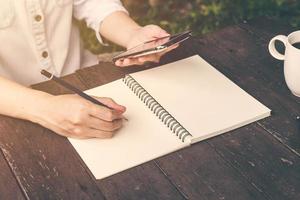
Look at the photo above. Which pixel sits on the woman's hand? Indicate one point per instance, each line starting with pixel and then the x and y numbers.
pixel 139 36
pixel 119 28
pixel 73 116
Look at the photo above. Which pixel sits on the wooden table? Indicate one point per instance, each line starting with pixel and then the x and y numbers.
pixel 259 161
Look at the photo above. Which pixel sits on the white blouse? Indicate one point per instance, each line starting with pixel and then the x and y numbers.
pixel 39 34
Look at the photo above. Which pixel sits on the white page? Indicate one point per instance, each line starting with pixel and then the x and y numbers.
pixel 143 138
pixel 202 99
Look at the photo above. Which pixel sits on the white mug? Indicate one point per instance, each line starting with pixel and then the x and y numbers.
pixel 291 59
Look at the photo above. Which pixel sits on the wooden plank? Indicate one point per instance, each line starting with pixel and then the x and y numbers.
pixel 45 164
pixel 100 74
pixel 9 188
pixel 202 173
pixel 259 157
pixel 106 72
pixel 54 88
pixel 265 28
pixel 142 182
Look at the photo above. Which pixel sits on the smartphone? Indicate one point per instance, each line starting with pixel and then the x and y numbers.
pixel 154 46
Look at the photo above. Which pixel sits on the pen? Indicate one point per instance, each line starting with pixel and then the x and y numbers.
pixel 74 89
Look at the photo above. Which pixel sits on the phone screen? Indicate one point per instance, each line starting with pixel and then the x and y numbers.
pixel 153 46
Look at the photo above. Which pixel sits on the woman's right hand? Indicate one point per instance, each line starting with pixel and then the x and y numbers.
pixel 73 116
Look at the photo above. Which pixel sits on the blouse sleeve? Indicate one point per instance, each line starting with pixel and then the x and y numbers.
pixel 95 11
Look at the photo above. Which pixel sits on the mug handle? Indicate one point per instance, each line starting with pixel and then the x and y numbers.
pixel 272 49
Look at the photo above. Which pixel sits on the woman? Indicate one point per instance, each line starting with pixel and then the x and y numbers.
pixel 39 34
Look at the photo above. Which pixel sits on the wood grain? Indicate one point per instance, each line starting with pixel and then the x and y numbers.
pixel 262 160
pixel 142 182
pixel 9 188
pixel 201 172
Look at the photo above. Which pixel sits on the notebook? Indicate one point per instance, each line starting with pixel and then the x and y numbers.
pixel 168 108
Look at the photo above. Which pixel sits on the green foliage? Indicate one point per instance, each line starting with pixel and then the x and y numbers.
pixel 202 16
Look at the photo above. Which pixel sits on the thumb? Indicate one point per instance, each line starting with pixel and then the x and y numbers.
pixel 162 33
pixel 111 104
pixel 158 31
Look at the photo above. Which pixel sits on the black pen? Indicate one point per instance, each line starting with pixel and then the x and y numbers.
pixel 73 89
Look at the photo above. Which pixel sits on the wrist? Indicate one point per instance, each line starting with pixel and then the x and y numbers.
pixel 131 34
pixel 35 106
pixel 118 27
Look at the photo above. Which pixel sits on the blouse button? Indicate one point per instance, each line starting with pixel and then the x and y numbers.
pixel 45 54
pixel 38 18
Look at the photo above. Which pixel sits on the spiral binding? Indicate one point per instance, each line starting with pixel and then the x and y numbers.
pixel 156 108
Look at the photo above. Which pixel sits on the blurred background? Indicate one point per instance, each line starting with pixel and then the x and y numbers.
pixel 201 16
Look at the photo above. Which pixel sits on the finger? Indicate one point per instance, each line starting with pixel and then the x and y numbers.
pixel 127 62
pixel 130 61
pixel 94 133
pixel 99 124
pixel 104 113
pixel 150 58
pixel 163 33
pixel 157 31
pixel 83 132
pixel 141 60
pixel 122 63
pixel 119 63
pixel 65 132
pixel 171 48
pixel 81 137
pixel 111 104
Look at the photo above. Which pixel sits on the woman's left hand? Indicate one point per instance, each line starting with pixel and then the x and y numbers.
pixel 139 36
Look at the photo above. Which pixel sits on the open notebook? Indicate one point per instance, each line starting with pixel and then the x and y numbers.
pixel 169 107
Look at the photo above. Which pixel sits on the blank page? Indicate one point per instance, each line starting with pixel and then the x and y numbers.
pixel 143 138
pixel 202 99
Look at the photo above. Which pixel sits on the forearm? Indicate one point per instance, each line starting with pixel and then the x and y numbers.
pixel 118 27
pixel 19 101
